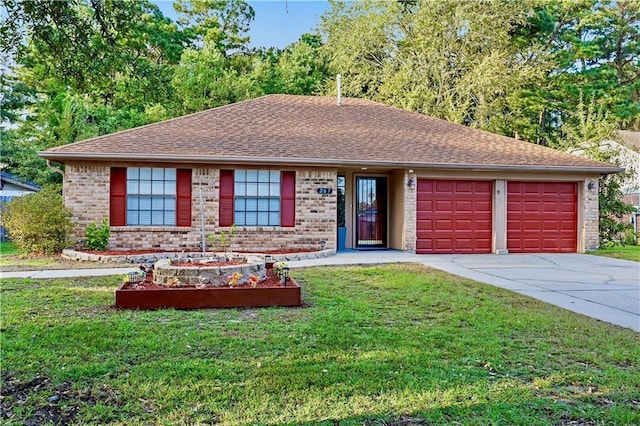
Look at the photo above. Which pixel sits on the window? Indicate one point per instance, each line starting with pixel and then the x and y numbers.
pixel 151 196
pixel 256 198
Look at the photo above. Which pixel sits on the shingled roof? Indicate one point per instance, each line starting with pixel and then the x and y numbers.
pixel 312 130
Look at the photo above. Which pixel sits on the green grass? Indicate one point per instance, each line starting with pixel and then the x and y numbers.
pixel 621 252
pixel 375 345
pixel 7 248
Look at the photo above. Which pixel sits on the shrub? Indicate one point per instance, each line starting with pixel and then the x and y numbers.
pixel 97 236
pixel 38 223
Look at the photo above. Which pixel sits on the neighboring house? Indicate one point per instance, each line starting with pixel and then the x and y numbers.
pixel 630 159
pixel 272 166
pixel 11 187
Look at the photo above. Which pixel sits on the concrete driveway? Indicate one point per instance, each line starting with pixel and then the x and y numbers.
pixel 600 287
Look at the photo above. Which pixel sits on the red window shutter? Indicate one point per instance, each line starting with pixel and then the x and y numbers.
pixel 183 197
pixel 118 197
pixel 226 198
pixel 288 199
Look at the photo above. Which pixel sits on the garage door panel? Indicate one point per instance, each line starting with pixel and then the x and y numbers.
pixel 465 206
pixel 460 216
pixel 444 206
pixel 444 187
pixel 541 217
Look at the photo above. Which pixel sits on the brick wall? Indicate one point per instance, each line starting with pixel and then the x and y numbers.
pixel 590 214
pixel 87 194
pixel 410 206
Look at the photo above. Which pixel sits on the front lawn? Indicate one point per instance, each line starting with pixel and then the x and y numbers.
pixel 376 345
pixel 7 248
pixel 621 252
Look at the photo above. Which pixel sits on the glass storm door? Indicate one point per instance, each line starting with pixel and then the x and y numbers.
pixel 371 220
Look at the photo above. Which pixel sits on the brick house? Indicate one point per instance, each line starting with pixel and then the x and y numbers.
pixel 303 172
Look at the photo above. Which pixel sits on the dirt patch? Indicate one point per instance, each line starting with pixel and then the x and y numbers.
pixel 62 402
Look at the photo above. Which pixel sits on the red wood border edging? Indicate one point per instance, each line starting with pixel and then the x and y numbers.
pixel 220 297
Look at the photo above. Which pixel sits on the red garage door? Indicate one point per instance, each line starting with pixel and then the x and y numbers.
pixel 453 216
pixel 542 217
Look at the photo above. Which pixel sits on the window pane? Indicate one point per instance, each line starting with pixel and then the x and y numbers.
pixel 132 217
pixel 132 187
pixel 157 203
pixel 274 204
pixel 240 189
pixel 145 173
pixel 169 203
pixel 170 218
pixel 145 187
pixel 252 189
pixel 145 218
pixel 157 174
pixel 274 176
pixel 274 189
pixel 252 175
pixel 263 189
pixel 132 173
pixel 240 204
pixel 145 203
pixel 263 204
pixel 274 218
pixel 240 175
pixel 170 187
pixel 252 204
pixel 238 218
pixel 132 203
pixel 157 218
pixel 263 175
pixel 169 174
pixel 251 219
pixel 157 187
pixel 263 218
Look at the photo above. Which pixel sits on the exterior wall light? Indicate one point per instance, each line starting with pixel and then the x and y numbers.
pixel 591 185
pixel 411 183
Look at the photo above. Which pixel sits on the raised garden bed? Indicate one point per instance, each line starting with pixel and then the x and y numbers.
pixel 220 297
pixel 191 293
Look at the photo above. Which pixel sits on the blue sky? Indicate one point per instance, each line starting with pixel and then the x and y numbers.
pixel 277 23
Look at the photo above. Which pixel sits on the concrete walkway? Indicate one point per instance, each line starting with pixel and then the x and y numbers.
pixel 600 287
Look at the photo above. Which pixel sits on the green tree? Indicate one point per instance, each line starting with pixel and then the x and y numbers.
pixel 302 68
pixel 219 23
pixel 205 78
pixel 590 132
pixel 446 59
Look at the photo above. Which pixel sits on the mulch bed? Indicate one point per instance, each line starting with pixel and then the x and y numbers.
pixel 123 252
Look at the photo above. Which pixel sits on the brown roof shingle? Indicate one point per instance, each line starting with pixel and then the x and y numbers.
pixel 289 129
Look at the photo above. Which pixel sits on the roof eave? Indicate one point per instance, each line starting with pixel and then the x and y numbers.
pixel 324 162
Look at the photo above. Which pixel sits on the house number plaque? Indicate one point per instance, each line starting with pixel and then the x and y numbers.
pixel 325 191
